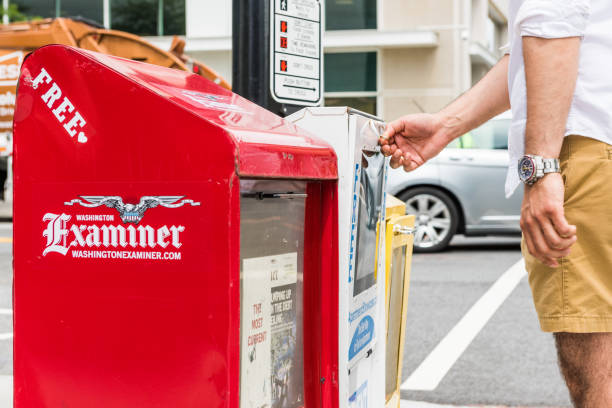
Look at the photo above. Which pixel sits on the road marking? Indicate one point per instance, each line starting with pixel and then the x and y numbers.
pixel 6 240
pixel 6 336
pixel 432 370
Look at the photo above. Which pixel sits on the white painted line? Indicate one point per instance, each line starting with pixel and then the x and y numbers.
pixel 433 369
pixel 6 311
pixel 6 336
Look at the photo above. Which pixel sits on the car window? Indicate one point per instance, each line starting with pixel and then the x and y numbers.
pixel 491 135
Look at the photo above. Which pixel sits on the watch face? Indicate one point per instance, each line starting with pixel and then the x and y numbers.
pixel 526 168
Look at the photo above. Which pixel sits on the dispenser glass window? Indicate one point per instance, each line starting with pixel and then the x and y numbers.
pixel 271 253
pixel 394 331
pixel 370 196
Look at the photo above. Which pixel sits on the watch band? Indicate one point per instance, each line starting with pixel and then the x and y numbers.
pixel 551 166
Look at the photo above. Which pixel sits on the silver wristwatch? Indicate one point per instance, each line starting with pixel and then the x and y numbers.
pixel 532 168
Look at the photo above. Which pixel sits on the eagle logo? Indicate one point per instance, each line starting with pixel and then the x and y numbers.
pixel 131 213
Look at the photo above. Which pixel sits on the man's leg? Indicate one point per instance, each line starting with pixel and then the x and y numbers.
pixel 585 360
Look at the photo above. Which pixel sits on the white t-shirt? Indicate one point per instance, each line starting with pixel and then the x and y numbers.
pixel 591 110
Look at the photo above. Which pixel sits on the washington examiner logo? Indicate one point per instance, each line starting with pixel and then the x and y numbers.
pixel 85 237
pixel 131 213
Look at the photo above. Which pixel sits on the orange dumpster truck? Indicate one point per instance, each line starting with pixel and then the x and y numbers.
pixel 18 39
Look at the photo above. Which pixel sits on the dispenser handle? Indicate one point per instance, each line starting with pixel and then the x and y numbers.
pixel 400 229
pixel 370 149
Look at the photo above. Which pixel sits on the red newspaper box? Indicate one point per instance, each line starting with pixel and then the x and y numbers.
pixel 175 244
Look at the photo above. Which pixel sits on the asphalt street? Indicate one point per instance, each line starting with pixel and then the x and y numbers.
pixel 509 362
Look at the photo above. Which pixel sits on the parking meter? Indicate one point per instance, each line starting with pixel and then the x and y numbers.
pixel 174 244
pixel 362 170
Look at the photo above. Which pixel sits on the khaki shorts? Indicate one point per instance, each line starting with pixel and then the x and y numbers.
pixel 577 296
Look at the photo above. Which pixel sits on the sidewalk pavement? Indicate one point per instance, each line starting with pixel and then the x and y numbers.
pixel 6 210
pixel 6 398
pixel 6 391
pixel 418 404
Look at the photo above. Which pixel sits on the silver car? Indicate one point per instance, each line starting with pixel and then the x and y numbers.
pixel 461 191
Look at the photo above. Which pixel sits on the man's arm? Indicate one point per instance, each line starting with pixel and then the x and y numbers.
pixel 551 69
pixel 414 139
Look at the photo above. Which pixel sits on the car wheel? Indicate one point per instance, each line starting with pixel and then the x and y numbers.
pixel 437 218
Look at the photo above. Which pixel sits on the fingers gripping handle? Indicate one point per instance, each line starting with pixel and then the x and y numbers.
pixel 378 128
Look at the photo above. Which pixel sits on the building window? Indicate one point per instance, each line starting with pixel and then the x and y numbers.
pixel 35 8
pixel 351 79
pixel 135 16
pixel 32 9
pixel 148 17
pixel 350 14
pixel 141 17
pixel 174 17
pixel 89 9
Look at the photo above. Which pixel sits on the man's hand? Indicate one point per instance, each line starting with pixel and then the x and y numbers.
pixel 413 139
pixel 547 233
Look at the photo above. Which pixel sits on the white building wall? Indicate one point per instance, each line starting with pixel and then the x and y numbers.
pixel 220 61
pixel 208 18
pixel 209 22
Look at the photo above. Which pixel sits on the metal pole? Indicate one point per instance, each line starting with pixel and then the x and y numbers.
pixel 160 17
pixel 106 13
pixel 251 52
pixel 58 8
pixel 5 6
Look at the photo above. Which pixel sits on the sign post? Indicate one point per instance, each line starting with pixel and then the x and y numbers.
pixel 277 53
pixel 296 52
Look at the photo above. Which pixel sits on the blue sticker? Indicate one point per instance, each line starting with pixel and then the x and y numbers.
pixel 359 399
pixel 353 222
pixel 362 337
